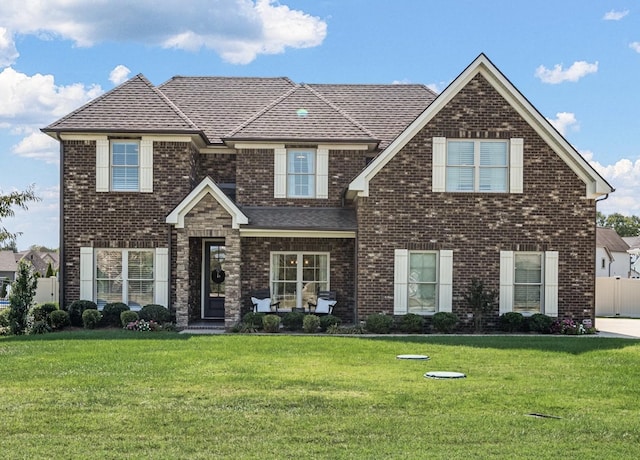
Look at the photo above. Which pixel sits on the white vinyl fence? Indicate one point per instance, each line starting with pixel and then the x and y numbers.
pixel 47 291
pixel 618 297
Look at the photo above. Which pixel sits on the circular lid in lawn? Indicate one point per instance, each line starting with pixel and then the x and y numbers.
pixel 444 375
pixel 424 357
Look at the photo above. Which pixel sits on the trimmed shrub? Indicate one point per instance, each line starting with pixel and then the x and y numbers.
pixel 41 312
pixel 111 313
pixel 91 318
pixel 59 319
pixel 511 321
pixel 77 308
pixel 411 324
pixel 292 321
pixel 310 323
pixel 271 323
pixel 127 317
pixel 379 323
pixel 153 312
pixel 252 321
pixel 445 322
pixel 327 321
pixel 39 327
pixel 4 317
pixel 540 323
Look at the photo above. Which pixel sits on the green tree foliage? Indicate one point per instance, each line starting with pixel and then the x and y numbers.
pixel 623 225
pixel 7 202
pixel 23 290
pixel 481 300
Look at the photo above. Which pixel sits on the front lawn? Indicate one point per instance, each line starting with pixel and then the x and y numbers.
pixel 119 394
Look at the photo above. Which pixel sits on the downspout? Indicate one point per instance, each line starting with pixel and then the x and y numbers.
pixel 61 263
pixel 593 311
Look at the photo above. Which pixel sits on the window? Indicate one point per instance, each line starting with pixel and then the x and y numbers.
pixel 297 277
pixel 477 166
pixel 301 173
pixel 529 282
pixel 301 168
pixel 527 286
pixel 125 164
pixel 124 275
pixel 492 166
pixel 422 281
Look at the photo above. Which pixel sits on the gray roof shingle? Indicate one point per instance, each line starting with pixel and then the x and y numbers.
pixel 609 238
pixel 290 218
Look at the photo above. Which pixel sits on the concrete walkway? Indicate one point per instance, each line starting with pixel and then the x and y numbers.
pixel 618 327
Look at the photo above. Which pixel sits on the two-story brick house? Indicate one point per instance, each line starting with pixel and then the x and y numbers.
pixel 391 195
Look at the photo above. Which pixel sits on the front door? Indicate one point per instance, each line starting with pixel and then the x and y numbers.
pixel 214 275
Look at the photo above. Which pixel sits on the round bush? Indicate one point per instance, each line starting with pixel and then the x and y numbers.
pixel 253 320
pixel 111 313
pixel 292 321
pixel 39 327
pixel 311 323
pixel 77 308
pixel 540 323
pixel 379 323
pixel 91 318
pixel 511 321
pixel 127 317
pixel 153 312
pixel 59 319
pixel 4 317
pixel 271 323
pixel 327 321
pixel 411 324
pixel 445 322
pixel 41 312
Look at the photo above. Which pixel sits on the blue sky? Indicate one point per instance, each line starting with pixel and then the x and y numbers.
pixel 578 62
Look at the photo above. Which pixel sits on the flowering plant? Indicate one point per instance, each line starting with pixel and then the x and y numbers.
pixel 142 326
pixel 570 327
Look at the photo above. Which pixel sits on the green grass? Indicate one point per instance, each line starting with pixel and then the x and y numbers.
pixel 117 394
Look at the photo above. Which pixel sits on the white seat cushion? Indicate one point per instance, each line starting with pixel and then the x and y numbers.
pixel 324 304
pixel 262 305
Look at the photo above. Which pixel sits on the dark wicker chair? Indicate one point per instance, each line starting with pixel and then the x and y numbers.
pixel 261 301
pixel 324 303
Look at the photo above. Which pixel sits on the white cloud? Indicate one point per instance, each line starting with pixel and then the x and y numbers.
pixel 238 30
pixel 635 46
pixel 38 146
pixel 8 51
pixel 615 15
pixel 36 100
pixel 624 176
pixel 558 75
pixel 119 74
pixel 564 121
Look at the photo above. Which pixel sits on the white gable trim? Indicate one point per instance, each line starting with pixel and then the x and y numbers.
pixel 595 184
pixel 206 187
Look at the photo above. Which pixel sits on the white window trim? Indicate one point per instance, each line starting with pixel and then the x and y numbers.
pixel 104 166
pixel 515 165
pixel 299 267
pixel 280 172
pixel 549 294
pixel 88 285
pixel 401 281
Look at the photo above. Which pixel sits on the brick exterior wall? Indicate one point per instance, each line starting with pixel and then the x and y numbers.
pixel 117 219
pixel 552 214
pixel 255 178
pixel 256 267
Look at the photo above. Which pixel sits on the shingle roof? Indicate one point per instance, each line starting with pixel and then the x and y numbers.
pixel 336 219
pixel 632 241
pixel 608 238
pixel 8 261
pixel 253 108
pixel 134 106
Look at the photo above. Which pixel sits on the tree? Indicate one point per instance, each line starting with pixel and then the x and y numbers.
pixel 481 300
pixel 623 225
pixel 7 202
pixel 23 290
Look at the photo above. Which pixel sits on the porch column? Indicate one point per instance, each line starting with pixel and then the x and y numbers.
pixel 233 291
pixel 182 280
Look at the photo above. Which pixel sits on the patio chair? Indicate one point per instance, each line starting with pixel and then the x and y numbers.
pixel 261 301
pixel 324 303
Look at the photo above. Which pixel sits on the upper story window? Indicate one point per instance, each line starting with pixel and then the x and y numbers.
pixel 125 166
pixel 301 170
pixel 477 166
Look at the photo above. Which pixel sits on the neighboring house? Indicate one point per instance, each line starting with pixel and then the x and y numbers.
pixel 8 268
pixel 39 260
pixel 612 258
pixel 634 253
pixel 390 195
